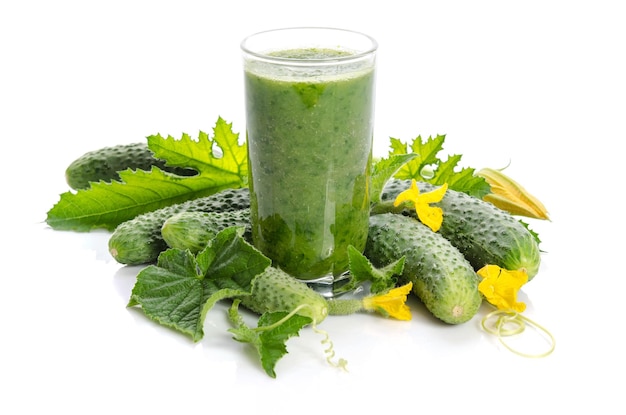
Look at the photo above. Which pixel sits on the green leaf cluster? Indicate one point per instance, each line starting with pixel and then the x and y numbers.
pixel 428 167
pixel 221 163
pixel 181 288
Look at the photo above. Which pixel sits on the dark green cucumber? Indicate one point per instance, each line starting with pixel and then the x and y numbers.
pixel 106 163
pixel 442 278
pixel 481 231
pixel 193 230
pixel 139 240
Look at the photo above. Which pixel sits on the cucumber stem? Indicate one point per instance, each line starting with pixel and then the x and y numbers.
pixel 385 207
pixel 342 307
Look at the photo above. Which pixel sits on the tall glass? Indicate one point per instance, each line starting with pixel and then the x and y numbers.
pixel 309 128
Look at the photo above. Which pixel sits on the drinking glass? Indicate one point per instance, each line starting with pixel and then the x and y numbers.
pixel 309 100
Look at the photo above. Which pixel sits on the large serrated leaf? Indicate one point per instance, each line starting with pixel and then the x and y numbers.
pixel 221 157
pixel 439 172
pixel 181 288
pixel 463 180
pixel 106 205
pixel 426 155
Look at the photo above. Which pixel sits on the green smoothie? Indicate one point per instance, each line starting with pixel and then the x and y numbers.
pixel 309 141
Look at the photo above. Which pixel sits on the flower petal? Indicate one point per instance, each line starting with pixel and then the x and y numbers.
pixel 510 196
pixel 500 286
pixel 391 304
pixel 434 196
pixel 409 195
pixel 430 216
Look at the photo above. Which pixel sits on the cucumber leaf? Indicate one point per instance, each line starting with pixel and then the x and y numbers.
pixel 428 167
pixel 426 155
pixel 384 169
pixel 362 270
pixel 223 157
pixel 181 288
pixel 221 164
pixel 270 336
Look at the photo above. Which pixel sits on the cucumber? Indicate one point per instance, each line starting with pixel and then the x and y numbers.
pixel 193 230
pixel 484 233
pixel 106 163
pixel 139 240
pixel 274 290
pixel 442 278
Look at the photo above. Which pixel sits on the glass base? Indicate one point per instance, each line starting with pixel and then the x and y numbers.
pixel 329 286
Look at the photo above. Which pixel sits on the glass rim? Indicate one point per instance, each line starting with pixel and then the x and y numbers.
pixel 373 46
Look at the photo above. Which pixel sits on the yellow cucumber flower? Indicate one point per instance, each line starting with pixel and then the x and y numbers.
pixel 390 304
pixel 430 216
pixel 500 286
pixel 510 196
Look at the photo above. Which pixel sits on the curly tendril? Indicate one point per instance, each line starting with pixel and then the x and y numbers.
pixel 509 323
pixel 329 351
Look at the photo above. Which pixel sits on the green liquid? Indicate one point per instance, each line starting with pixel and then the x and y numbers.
pixel 309 149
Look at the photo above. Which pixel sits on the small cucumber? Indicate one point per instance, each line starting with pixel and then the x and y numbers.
pixel 106 163
pixel 274 290
pixel 442 278
pixel 193 230
pixel 139 240
pixel 482 232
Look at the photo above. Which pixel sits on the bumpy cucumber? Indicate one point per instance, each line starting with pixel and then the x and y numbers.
pixel 193 230
pixel 106 163
pixel 442 278
pixel 482 232
pixel 274 290
pixel 139 240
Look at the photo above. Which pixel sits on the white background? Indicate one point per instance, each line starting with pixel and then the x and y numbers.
pixel 537 84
